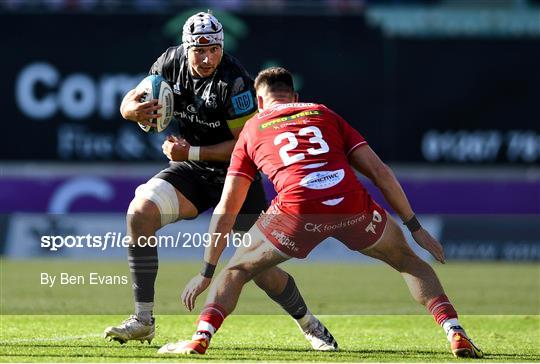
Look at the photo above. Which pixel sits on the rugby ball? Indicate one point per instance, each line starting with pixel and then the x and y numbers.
pixel 156 87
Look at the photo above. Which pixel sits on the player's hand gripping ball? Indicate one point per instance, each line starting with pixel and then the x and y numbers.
pixel 155 87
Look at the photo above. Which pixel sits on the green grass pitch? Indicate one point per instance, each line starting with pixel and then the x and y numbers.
pixel 367 308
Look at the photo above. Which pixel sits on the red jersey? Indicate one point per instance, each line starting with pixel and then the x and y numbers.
pixel 302 148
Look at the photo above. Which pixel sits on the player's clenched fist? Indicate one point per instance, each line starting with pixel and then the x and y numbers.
pixel 142 112
pixel 194 288
pixel 176 149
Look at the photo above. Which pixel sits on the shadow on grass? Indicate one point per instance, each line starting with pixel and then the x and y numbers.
pixel 354 355
pixel 65 346
pixel 242 353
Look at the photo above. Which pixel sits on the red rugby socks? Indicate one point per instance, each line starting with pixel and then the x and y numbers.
pixel 209 321
pixel 441 309
pixel 444 313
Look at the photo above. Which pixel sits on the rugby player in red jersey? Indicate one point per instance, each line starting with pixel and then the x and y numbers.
pixel 213 98
pixel 309 152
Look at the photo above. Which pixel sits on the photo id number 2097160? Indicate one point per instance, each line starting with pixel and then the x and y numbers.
pixel 197 240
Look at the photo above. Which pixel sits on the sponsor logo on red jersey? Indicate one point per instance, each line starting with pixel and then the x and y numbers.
pixel 321 180
pixel 288 118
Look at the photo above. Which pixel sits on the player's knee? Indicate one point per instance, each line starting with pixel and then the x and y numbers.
pixel 163 201
pixel 241 272
pixel 143 216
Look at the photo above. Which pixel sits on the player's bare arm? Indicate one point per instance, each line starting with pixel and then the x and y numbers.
pixel 141 112
pixel 223 218
pixel 177 149
pixel 232 198
pixel 367 162
pixel 222 151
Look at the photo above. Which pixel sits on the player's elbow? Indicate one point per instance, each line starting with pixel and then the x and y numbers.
pixel 124 103
pixel 123 109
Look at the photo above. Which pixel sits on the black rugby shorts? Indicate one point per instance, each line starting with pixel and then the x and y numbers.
pixel 204 191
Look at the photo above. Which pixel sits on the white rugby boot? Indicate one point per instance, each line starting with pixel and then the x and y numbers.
pixel 318 336
pixel 131 329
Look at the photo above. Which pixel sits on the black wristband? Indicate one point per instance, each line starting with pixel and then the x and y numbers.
pixel 413 224
pixel 208 270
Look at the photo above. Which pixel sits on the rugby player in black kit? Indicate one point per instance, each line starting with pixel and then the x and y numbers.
pixel 213 98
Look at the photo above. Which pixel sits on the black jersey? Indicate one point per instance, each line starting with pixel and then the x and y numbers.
pixel 206 108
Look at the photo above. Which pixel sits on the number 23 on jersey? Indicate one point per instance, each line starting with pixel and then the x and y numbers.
pixel 319 145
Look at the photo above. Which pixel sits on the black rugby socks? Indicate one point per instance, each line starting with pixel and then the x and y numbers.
pixel 143 264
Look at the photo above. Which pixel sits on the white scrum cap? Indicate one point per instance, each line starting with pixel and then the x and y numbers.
pixel 202 29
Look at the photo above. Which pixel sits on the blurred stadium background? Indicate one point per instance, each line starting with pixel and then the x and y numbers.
pixel 447 92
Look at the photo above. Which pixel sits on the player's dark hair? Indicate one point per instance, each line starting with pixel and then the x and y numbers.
pixel 276 79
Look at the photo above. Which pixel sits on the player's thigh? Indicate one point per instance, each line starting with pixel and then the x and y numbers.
pixel 193 193
pixel 186 209
pixel 392 247
pixel 256 255
pixel 158 198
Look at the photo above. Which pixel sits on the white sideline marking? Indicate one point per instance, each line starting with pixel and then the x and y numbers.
pixel 61 338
